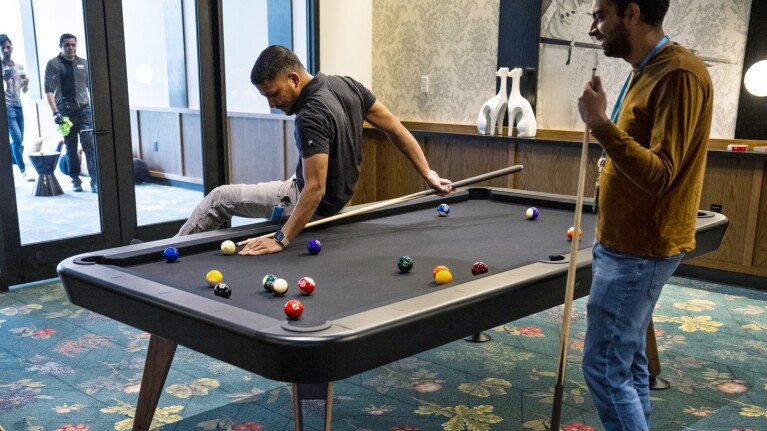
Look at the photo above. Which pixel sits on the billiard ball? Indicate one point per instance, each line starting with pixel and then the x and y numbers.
pixel 222 289
pixel 214 277
pixel 279 287
pixel 571 232
pixel 171 254
pixel 314 246
pixel 228 247
pixel 306 286
pixel 405 263
pixel 294 309
pixel 479 268
pixel 443 210
pixel 268 282
pixel 443 277
pixel 532 213
pixel 439 268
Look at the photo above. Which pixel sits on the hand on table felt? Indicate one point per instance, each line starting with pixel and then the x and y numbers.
pixel 261 245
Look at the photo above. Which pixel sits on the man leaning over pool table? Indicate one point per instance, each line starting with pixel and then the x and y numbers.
pixel 330 111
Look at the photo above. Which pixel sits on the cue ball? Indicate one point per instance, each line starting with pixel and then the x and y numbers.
pixel 532 213
pixel 443 210
pixel 214 277
pixel 306 286
pixel 222 289
pixel 439 268
pixel 268 282
pixel 279 287
pixel 314 246
pixel 294 309
pixel 443 277
pixel 571 231
pixel 171 254
pixel 228 247
pixel 405 263
pixel 479 268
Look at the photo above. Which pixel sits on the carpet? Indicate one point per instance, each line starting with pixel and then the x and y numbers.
pixel 65 368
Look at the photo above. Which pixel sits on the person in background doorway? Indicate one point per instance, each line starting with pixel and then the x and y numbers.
pixel 66 87
pixel 16 82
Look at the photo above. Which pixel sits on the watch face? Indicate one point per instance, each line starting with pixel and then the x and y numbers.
pixel 279 235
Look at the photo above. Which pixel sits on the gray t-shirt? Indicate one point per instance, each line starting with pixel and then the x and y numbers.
pixel 329 115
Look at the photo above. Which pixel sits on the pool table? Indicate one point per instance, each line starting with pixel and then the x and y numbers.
pixel 364 312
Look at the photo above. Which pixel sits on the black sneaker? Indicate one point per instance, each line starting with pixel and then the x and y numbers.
pixel 77 188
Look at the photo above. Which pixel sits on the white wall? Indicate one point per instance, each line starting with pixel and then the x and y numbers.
pixel 346 39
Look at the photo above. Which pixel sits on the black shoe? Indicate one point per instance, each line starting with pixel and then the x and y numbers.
pixel 94 188
pixel 135 241
pixel 77 188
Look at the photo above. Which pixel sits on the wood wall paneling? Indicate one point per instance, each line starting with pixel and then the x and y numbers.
pixel 729 183
pixel 458 158
pixel 554 167
pixel 760 237
pixel 164 128
pixel 256 150
pixel 191 139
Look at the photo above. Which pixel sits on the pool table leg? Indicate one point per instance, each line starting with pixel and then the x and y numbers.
pixel 653 360
pixel 159 355
pixel 312 391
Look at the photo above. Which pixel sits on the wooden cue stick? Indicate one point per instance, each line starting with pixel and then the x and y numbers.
pixel 556 410
pixel 406 198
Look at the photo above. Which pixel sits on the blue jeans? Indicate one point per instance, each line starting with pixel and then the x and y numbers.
pixel 16 130
pixel 623 294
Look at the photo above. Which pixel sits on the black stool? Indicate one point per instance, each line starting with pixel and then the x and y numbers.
pixel 45 165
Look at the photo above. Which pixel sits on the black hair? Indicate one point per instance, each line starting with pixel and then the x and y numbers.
pixel 66 36
pixel 4 38
pixel 273 61
pixel 651 11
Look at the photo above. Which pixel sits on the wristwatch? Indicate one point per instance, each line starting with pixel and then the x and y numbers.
pixel 281 238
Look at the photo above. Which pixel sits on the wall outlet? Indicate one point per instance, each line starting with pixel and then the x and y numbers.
pixel 155 146
pixel 424 84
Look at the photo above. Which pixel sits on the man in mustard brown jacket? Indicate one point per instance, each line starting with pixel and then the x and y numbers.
pixel 649 193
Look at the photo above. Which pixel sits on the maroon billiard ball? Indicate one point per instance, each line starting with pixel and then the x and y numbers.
pixel 479 268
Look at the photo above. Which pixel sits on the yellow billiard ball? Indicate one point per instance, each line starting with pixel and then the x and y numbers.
pixel 443 277
pixel 214 277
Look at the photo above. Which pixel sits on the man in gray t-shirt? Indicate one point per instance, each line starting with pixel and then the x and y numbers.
pixel 330 111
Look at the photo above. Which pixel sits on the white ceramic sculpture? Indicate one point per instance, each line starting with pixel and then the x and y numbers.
pixel 520 110
pixel 494 110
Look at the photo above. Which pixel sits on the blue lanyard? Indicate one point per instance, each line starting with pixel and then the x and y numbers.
pixel 642 64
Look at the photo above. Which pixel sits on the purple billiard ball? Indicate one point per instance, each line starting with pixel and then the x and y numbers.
pixel 171 254
pixel 314 246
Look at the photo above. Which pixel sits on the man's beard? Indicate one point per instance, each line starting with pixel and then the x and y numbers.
pixel 618 45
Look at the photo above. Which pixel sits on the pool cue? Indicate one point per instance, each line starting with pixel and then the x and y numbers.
pixel 406 198
pixel 559 387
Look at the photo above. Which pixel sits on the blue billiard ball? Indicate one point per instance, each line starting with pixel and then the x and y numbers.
pixel 314 246
pixel 443 210
pixel 532 213
pixel 171 254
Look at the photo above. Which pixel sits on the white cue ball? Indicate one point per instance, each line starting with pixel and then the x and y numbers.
pixel 279 287
pixel 228 247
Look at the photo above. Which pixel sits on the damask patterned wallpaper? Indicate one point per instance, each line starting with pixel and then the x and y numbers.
pixel 455 43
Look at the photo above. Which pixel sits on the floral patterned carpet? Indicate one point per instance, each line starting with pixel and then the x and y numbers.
pixel 65 368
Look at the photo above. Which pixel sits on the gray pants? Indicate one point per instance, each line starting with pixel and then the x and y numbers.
pixel 242 200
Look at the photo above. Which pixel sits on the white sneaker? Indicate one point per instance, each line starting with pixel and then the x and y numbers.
pixel 27 177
